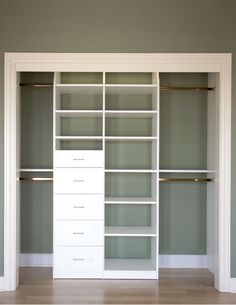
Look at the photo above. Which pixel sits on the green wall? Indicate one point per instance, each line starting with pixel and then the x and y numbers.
pixel 118 26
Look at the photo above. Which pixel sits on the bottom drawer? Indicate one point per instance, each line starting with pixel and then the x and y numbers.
pixel 78 262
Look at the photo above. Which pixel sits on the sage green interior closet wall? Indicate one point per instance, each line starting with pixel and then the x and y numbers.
pixel 118 26
pixel 36 152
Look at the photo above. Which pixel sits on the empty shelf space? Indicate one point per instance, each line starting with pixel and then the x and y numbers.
pixel 129 231
pixel 79 88
pixel 130 200
pixel 127 138
pixel 130 89
pixel 129 264
pixel 79 113
pixel 200 171
pixel 79 138
pixel 36 170
pixel 130 113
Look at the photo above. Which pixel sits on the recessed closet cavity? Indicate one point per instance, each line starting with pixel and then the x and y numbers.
pixel 117 168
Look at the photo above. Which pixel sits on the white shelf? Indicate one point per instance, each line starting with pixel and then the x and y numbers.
pixel 130 200
pixel 129 231
pixel 130 113
pixel 36 170
pixel 79 138
pixel 110 138
pixel 79 88
pixel 130 171
pixel 79 113
pixel 186 171
pixel 129 264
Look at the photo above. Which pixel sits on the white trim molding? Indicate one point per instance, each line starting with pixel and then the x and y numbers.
pixel 36 260
pixel 2 283
pixel 182 261
pixel 122 62
pixel 232 285
pixel 165 261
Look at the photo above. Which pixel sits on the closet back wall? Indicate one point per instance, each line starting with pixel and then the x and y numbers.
pixel 118 26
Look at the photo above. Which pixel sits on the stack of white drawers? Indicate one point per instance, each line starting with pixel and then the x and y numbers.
pixel 78 214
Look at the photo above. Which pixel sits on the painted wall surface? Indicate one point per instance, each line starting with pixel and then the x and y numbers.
pixel 118 26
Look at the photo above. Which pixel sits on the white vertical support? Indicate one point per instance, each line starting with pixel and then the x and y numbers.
pixel 156 156
pixel 223 217
pixel 18 166
pixel 104 156
pixel 212 165
pixel 10 177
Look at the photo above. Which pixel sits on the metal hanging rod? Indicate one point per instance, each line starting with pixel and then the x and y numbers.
pixel 160 179
pixel 36 178
pixel 171 88
pixel 36 85
pixel 162 88
pixel 186 180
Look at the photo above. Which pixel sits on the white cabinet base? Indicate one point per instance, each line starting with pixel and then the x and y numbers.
pixel 78 262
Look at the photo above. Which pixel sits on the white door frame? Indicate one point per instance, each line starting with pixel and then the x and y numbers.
pixel 53 62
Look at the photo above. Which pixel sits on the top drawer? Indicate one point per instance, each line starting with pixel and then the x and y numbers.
pixel 78 158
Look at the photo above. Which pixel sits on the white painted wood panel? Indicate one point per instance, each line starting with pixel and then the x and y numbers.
pixel 78 158
pixel 78 262
pixel 78 180
pixel 78 206
pixel 78 232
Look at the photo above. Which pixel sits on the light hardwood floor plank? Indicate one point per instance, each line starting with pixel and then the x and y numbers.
pixel 175 286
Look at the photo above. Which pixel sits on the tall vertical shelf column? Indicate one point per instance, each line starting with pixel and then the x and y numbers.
pixel 131 175
pixel 78 176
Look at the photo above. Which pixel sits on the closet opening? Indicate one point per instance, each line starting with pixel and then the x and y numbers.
pixel 128 118
pixel 125 162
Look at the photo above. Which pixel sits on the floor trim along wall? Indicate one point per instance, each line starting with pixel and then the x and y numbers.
pixel 232 285
pixel 165 261
pixel 36 260
pixel 1 283
pixel 183 261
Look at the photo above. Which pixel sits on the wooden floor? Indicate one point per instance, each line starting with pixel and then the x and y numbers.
pixel 179 286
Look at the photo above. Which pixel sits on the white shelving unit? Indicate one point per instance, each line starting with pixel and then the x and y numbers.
pixel 110 116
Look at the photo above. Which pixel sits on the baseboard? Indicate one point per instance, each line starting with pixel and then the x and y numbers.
pixel 1 283
pixel 165 261
pixel 182 261
pixel 232 284
pixel 36 260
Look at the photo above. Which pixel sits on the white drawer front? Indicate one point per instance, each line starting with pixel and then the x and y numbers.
pixel 78 262
pixel 78 206
pixel 78 232
pixel 79 158
pixel 78 180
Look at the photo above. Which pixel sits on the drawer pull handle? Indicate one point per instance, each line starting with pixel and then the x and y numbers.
pixel 78 159
pixel 78 259
pixel 78 233
pixel 78 207
pixel 78 180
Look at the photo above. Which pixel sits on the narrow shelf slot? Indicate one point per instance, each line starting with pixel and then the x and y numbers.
pixel 108 138
pixel 79 113
pixel 130 113
pixel 130 200
pixel 78 138
pixel 129 231
pixel 36 170
pixel 130 264
pixel 79 88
